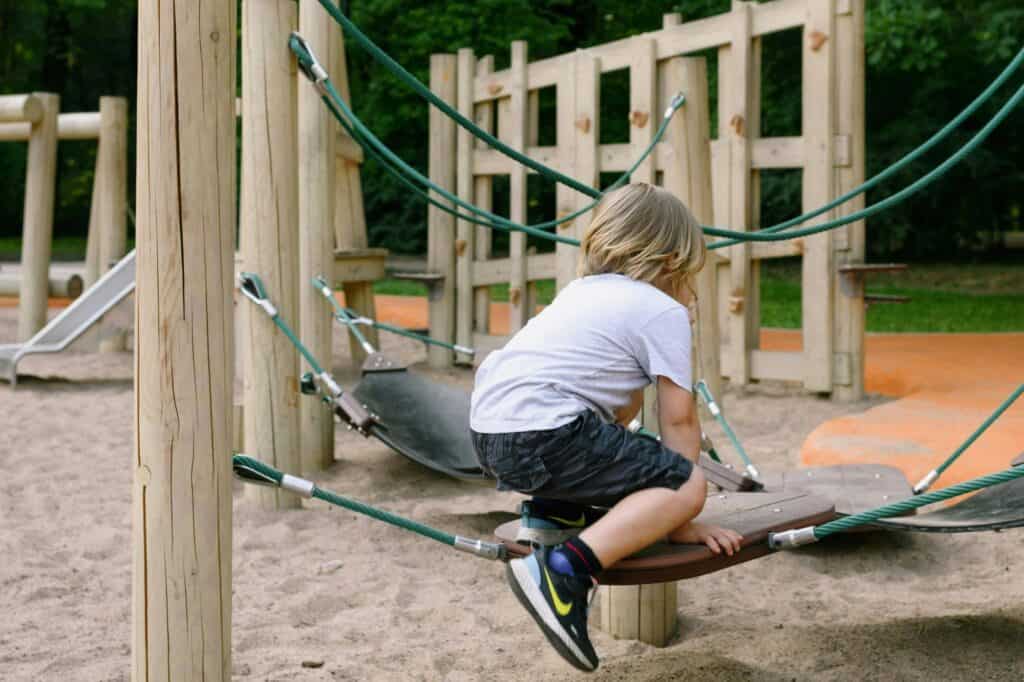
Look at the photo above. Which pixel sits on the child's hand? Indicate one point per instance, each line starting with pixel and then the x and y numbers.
pixel 717 539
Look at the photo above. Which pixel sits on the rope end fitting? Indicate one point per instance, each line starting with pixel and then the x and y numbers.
pixel 308 63
pixel 485 550
pixel 252 288
pixel 464 350
pixel 788 539
pixel 926 482
pixel 673 106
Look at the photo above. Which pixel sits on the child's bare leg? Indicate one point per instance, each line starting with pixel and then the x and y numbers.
pixel 643 518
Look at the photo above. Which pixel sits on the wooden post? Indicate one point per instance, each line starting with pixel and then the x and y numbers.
pixel 465 244
pixel 181 516
pixel 37 232
pixel 316 196
pixel 644 114
pixel 518 112
pixel 441 225
pixel 483 197
pixel 20 109
pixel 689 137
pixel 112 169
pixel 818 115
pixel 733 124
pixel 752 313
pixel 647 613
pixel 269 241
pixel 566 255
pixel 848 383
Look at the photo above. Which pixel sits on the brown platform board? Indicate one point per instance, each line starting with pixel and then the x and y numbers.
pixel 753 515
pixel 726 477
pixel 853 488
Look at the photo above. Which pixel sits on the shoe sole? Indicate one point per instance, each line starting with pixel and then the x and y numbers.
pixel 545 536
pixel 528 594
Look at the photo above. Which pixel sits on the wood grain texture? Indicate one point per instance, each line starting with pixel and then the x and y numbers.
pixel 37 228
pixel 441 225
pixel 185 181
pixel 317 190
pixel 517 127
pixel 269 240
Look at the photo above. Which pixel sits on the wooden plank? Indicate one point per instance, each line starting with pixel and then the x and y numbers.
pixel 496 270
pixel 465 245
pixel 776 365
pixel 726 477
pixel 671 41
pixel 269 240
pixel 318 185
pixel 818 114
pixel 752 314
pixel 37 230
pixel 736 87
pixel 482 197
pixel 518 113
pixel 849 299
pixel 181 464
pixel 644 113
pixel 853 488
pixel 345 147
pixel 586 132
pixel 566 255
pixel 441 225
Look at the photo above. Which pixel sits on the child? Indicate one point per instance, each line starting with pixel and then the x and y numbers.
pixel 548 412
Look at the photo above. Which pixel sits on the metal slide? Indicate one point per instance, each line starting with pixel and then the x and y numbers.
pixel 58 334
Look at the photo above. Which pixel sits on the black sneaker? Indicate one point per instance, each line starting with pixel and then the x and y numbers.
pixel 558 603
pixel 553 529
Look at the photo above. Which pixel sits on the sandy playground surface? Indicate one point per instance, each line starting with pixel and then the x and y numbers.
pixel 370 602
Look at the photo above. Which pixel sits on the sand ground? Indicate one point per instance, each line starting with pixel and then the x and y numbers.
pixel 371 602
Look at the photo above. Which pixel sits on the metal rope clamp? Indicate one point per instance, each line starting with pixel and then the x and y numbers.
pixel 311 69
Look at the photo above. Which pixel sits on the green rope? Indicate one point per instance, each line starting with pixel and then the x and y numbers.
pixel 901 163
pixel 254 471
pixel 981 429
pixel 402 331
pixel 426 93
pixel 252 288
pixel 397 167
pixel 716 412
pixel 886 203
pixel 383 58
pixel 899 508
pixel 341 314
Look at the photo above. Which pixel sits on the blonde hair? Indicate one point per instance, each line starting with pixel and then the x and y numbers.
pixel 646 233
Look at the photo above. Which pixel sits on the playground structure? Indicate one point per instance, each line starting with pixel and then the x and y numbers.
pixel 718 178
pixel 186 207
pixel 35 118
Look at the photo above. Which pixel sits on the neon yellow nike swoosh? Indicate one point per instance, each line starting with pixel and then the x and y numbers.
pixel 561 607
pixel 578 523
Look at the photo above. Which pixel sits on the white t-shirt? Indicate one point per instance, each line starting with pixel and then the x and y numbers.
pixel 601 339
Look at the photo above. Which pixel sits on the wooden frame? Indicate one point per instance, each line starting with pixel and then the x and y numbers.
pixel 829 151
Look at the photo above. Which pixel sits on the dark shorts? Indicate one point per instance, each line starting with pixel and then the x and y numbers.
pixel 585 461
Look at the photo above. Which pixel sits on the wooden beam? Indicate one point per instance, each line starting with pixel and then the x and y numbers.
pixel 482 197
pixel 465 244
pixel 644 113
pixel 20 108
pixel 849 295
pixel 317 162
pixel 777 366
pixel 496 270
pixel 37 230
pixel 441 225
pixel 818 116
pixel 112 177
pixel 566 255
pixel 181 478
pixel 269 240
pixel 518 112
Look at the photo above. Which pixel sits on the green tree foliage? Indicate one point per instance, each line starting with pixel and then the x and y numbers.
pixel 926 59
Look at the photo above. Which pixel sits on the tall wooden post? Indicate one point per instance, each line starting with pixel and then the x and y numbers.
pixel 465 243
pixel 37 230
pixel 316 232
pixel 849 241
pixel 112 174
pixel 518 112
pixel 818 189
pixel 269 239
pixel 482 195
pixel 441 225
pixel 181 587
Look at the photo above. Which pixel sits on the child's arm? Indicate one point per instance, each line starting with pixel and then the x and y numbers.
pixel 677 419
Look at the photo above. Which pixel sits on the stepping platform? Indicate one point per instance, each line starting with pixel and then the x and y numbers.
pixel 753 515
pixel 853 488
